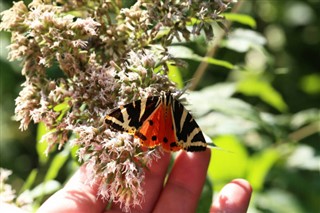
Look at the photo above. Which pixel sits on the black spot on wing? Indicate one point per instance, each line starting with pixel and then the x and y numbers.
pixel 173 144
pixel 140 135
pixel 154 138
pixel 165 139
pixel 150 122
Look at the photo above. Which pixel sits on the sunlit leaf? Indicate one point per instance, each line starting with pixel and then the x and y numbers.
pixel 200 101
pixel 241 18
pixel 305 117
pixel 56 164
pixel 186 53
pixel 304 157
pixel 263 90
pixel 30 181
pixel 221 63
pixel 205 200
pixel 228 163
pixel 41 145
pixel 260 165
pixel 215 124
pixel 175 75
pixel 241 40
pixel 229 106
pixel 45 188
pixel 278 200
pixel 311 84
pixel 61 107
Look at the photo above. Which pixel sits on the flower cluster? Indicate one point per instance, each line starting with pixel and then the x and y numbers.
pixel 83 58
pixel 8 195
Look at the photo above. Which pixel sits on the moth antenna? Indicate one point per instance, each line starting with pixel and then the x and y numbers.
pixel 183 91
pixel 213 146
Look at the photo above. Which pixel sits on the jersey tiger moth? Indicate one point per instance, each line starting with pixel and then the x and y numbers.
pixel 159 120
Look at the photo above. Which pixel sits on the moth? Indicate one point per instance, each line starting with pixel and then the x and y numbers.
pixel 159 120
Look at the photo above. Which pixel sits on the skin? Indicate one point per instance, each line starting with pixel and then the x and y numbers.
pixel 180 193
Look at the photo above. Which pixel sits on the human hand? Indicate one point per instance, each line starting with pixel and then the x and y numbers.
pixel 180 193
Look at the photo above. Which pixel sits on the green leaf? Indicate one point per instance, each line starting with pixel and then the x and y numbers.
pixel 215 124
pixel 259 166
pixel 218 62
pixel 187 53
pixel 198 100
pixel 252 86
pixel 230 106
pixel 229 164
pixel 41 145
pixel 61 107
pixel 30 181
pixel 205 201
pixel 304 157
pixel 310 84
pixel 175 75
pixel 305 117
pixel 278 200
pixel 45 188
pixel 241 18
pixel 241 40
pixel 56 164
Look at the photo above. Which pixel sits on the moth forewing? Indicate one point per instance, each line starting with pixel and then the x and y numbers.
pixel 159 120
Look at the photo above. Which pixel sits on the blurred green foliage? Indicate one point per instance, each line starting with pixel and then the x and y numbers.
pixel 258 100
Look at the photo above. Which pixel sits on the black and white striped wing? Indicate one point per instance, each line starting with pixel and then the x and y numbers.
pixel 188 133
pixel 130 117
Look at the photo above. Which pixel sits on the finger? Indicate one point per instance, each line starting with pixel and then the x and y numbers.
pixel 184 185
pixel 76 196
pixel 154 178
pixel 234 197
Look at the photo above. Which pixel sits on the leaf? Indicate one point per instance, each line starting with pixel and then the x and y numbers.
pixel 45 188
pixel 218 62
pixel 310 84
pixel 252 86
pixel 215 124
pixel 305 117
pixel 229 164
pixel 205 201
pixel 198 100
pixel 30 181
pixel 175 75
pixel 56 164
pixel 304 157
pixel 241 18
pixel 186 53
pixel 61 107
pixel 229 106
pixel 241 40
pixel 41 145
pixel 259 166
pixel 278 200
